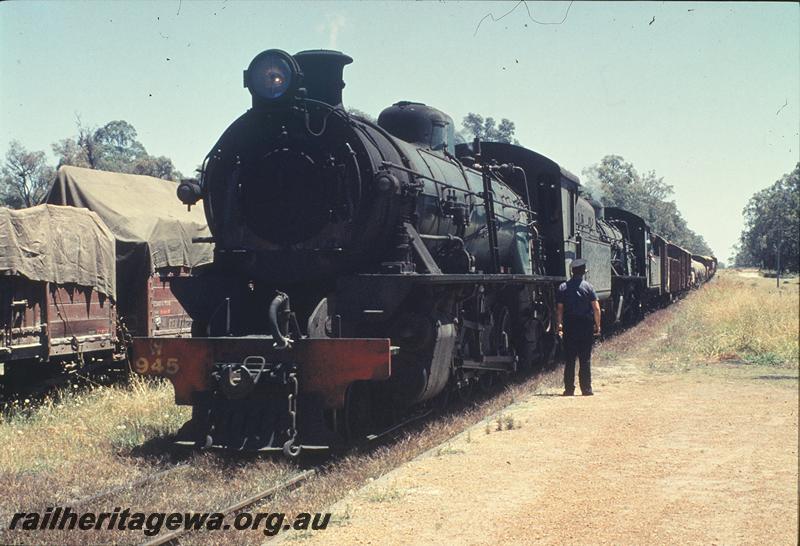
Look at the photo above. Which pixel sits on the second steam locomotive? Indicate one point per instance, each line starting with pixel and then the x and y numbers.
pixel 361 269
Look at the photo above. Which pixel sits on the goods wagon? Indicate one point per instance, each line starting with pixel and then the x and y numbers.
pixel 153 235
pixel 57 289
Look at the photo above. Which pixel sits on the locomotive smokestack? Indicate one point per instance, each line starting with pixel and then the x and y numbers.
pixel 322 74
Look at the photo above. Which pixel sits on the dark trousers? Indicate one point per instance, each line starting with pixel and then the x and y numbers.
pixel 578 340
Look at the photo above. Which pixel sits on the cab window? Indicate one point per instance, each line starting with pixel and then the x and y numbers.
pixel 443 137
pixel 567 212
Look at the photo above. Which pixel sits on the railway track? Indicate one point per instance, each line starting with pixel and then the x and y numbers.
pixel 292 483
pixel 129 486
pixel 153 483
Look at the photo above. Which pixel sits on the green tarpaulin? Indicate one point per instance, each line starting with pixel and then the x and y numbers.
pixel 142 212
pixel 58 244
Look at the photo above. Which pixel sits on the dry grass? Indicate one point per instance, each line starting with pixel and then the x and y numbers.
pixel 447 449
pixel 93 441
pixel 386 494
pixel 684 329
pixel 352 471
pixel 740 319
pixel 91 425
pixel 635 347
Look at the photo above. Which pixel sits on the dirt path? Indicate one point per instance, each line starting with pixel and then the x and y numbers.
pixel 706 456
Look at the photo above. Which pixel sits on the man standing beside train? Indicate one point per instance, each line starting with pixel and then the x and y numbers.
pixel 578 321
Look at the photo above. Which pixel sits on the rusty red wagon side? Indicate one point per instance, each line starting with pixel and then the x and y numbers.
pixel 57 288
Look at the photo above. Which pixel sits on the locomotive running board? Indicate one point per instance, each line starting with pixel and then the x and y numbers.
pixel 459 278
pixel 325 366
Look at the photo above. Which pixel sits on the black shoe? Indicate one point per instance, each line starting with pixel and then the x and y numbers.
pixel 587 393
pixel 568 393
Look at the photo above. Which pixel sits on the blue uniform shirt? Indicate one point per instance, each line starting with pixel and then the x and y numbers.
pixel 577 296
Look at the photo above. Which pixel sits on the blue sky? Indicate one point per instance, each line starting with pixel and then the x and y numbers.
pixel 705 94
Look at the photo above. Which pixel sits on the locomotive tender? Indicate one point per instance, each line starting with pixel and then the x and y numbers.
pixel 361 269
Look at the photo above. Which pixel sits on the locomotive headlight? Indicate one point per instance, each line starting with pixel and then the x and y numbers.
pixel 271 75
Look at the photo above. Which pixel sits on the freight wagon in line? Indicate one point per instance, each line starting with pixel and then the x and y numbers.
pixel 703 268
pixel 57 291
pixel 151 243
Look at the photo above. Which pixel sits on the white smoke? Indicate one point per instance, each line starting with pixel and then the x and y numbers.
pixel 331 27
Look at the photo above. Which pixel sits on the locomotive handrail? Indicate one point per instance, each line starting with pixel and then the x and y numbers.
pixel 450 186
pixel 332 110
pixel 491 219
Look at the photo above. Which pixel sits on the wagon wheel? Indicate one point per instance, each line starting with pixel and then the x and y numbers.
pixel 635 310
pixel 532 346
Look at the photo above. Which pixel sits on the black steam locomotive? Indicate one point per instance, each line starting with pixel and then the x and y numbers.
pixel 361 269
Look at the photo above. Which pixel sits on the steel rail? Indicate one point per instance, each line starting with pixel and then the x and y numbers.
pixel 127 486
pixel 172 537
